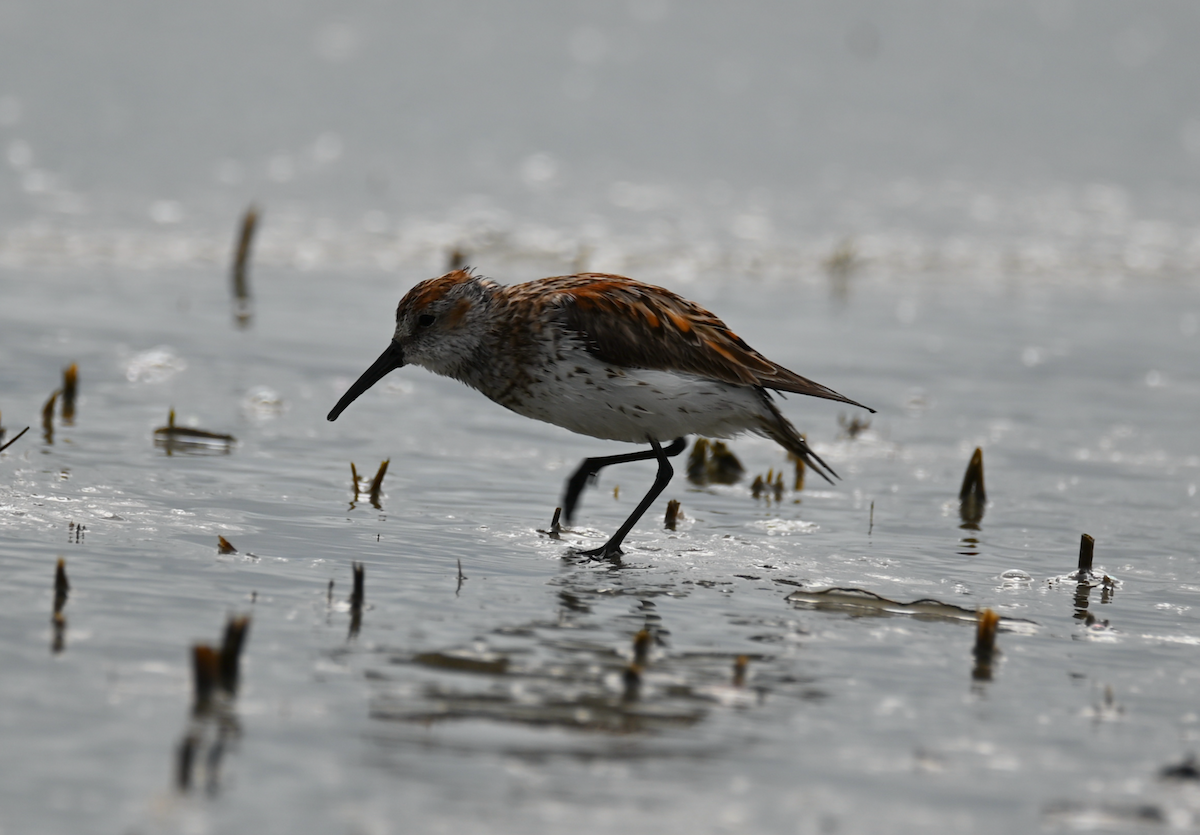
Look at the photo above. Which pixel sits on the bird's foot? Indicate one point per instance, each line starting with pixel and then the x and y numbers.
pixel 608 551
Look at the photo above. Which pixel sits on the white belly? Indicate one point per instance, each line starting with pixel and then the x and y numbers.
pixel 590 398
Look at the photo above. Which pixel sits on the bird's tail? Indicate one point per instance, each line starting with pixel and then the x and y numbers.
pixel 780 430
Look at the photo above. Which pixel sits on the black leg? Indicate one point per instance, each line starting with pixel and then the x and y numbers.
pixel 591 466
pixel 612 549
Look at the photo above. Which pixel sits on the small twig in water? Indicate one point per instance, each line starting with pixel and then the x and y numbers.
pixel 16 438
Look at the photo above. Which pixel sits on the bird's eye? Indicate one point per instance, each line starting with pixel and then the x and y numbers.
pixel 425 320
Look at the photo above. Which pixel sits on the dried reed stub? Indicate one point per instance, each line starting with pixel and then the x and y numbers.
pixel 769 486
pixel 739 670
pixel 712 462
pixel 852 427
pixel 224 546
pixel 219 671
pixel 206 675
pixel 231 652
pixel 972 497
pixel 58 639
pixel 357 597
pixel 185 757
pixel 1087 552
pixel 723 466
pixel 697 462
pixel 58 620
pixel 642 642
pixel 377 484
pixel 374 490
pixel 69 390
pixel 215 675
pixel 631 678
pixel 242 313
pixel 672 518
pixel 172 437
pixel 985 644
pixel 757 487
pixel 456 259
pixel 48 418
pixel 801 467
pixel 62 587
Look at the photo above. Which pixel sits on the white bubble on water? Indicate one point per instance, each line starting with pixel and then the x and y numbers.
pixel 154 366
pixel 263 403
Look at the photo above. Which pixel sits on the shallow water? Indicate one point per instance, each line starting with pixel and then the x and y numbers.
pixel 500 705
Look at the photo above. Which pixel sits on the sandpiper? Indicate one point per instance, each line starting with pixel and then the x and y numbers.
pixel 601 355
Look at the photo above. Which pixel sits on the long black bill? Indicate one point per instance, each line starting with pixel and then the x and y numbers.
pixel 390 359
